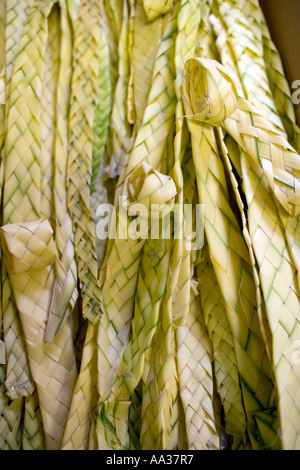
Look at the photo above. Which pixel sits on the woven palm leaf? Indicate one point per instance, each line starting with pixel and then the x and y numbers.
pixel 228 258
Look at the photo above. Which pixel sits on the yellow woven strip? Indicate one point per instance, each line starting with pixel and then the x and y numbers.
pixel 146 37
pixel 33 433
pixel 281 165
pixel 192 17
pixel 2 75
pixel 229 147
pixel 29 255
pixel 195 373
pixel 34 315
pixel 279 85
pixel 124 138
pixel 10 423
pixel 22 147
pixel 228 251
pixel 244 38
pixel 160 387
pixel 3 399
pixel 121 267
pixel 102 130
pixel 222 50
pixel 17 370
pixel 48 112
pixel 150 290
pixel 65 288
pixel 144 280
pixel 18 381
pixel 282 101
pixel 163 425
pixel 178 437
pixel 82 106
pixel 102 112
pixel 16 16
pixel 112 13
pixel 280 162
pixel 120 130
pixel 282 97
pixel 189 18
pixel 282 305
pixel 117 158
pixel 84 397
pixel 225 369
pixel 18 154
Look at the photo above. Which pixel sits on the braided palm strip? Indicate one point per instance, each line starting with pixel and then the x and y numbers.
pixel 227 58
pixel 18 378
pixel 146 36
pixel 152 278
pixel 267 236
pixel 225 361
pixel 77 430
pixel 178 438
pixel 228 251
pixel 130 93
pixel 16 16
pixel 83 102
pixel 2 134
pixel 122 137
pixel 114 31
pixel 225 371
pixel 282 97
pixel 221 51
pixel 189 20
pixel 17 369
pixel 281 303
pixel 122 263
pixel 31 318
pixel 10 422
pixel 159 427
pixel 2 75
pixel 229 146
pixel 101 130
pixel 194 362
pixel 159 390
pixel 150 290
pixel 120 131
pixel 12 374
pixel 244 38
pixel 279 85
pixel 112 13
pixel 151 137
pixel 29 255
pixel 166 429
pixel 65 293
pixel 33 432
pixel 134 417
pixel 103 109
pixel 48 106
pixel 279 161
pixel 21 198
pixel 283 104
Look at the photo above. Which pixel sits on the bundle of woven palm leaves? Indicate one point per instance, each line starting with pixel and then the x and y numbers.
pixel 142 342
